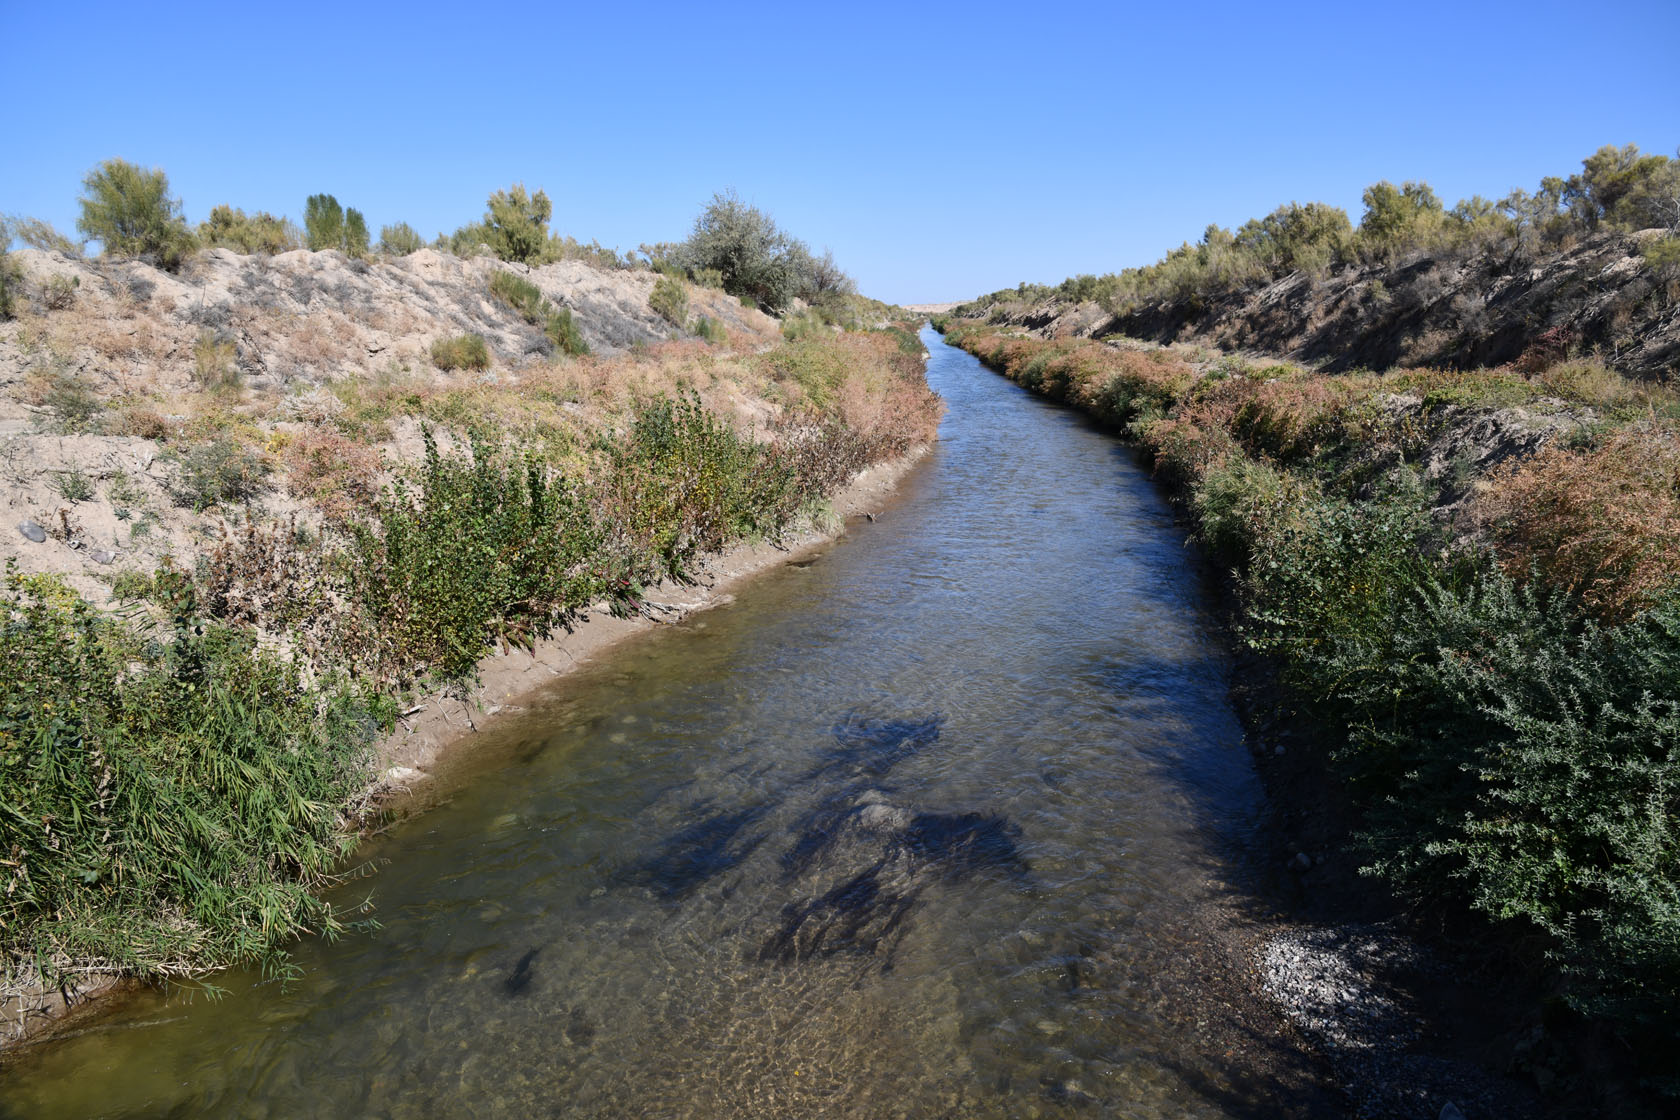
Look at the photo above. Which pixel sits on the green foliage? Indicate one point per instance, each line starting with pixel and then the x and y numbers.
pixel 219 472
pixel 74 407
pixel 516 224
pixel 323 222
pixel 710 329
pixel 73 485
pixel 162 803
pixel 803 325
pixel 399 240
pixel 130 212
pixel 11 275
pixel 683 482
pixel 527 299
pixel 58 292
pixel 1397 218
pixel 669 299
pixel 757 261
pixel 1511 757
pixel 355 234
pixel 37 233
pixel 229 228
pixel 464 351
pixel 470 547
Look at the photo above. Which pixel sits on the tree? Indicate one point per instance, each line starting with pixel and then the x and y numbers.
pixel 742 242
pixel 1399 218
pixel 516 224
pixel 323 219
pixel 355 233
pixel 130 212
pixel 1619 187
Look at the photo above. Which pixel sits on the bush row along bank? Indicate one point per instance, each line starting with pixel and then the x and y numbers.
pixel 1498 645
pixel 175 784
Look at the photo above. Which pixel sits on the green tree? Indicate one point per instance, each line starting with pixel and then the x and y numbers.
pixel 516 224
pixel 1399 218
pixel 355 233
pixel 323 221
pixel 130 212
pixel 758 261
pixel 1621 188
pixel 11 276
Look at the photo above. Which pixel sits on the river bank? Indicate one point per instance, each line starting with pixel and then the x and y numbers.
pixel 412 764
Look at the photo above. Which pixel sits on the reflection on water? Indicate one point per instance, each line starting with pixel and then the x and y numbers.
pixel 921 829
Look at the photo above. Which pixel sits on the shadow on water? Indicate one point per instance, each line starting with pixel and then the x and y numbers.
pixel 869 747
pixel 699 852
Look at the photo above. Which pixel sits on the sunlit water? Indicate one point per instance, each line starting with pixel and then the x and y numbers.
pixel 920 828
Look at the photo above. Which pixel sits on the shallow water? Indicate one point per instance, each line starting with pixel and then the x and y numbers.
pixel 926 827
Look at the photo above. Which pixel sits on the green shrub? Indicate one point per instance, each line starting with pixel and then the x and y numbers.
pixel 515 224
pixel 219 472
pixel 399 240
pixel 230 228
pixel 472 547
pixel 803 325
pixel 669 300
pixel 708 277
pixel 323 222
pixel 11 278
pixel 164 804
pixel 1514 758
pixel 757 261
pixel 73 485
pixel 465 351
pixel 38 233
pixel 74 406
pixel 710 329
pixel 130 212
pixel 527 299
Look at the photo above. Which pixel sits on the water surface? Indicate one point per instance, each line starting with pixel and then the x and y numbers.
pixel 927 827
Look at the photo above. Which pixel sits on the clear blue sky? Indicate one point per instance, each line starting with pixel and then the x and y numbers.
pixel 939 151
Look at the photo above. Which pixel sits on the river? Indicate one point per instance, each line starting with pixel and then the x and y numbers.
pixel 940 822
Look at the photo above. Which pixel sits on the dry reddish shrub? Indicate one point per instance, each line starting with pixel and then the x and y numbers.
pixel 1292 418
pixel 338 474
pixel 1602 523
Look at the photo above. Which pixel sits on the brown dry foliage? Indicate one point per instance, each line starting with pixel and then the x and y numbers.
pixel 338 474
pixel 1602 523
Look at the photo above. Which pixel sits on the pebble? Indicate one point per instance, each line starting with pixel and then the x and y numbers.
pixel 32 531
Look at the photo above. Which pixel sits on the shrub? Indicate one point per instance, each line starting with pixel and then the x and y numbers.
pixel 472 547
pixel 802 325
pixel 756 260
pixel 708 277
pixel 1603 524
pixel 399 240
pixel 1511 758
pixel 11 277
pixel 466 351
pixel 58 292
pixel 229 228
pixel 130 212
pixel 38 233
pixel 710 330
pixel 669 300
pixel 323 222
pixel 219 472
pixel 527 299
pixel 73 485
pixel 516 224
pixel 74 406
pixel 214 367
pixel 165 804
